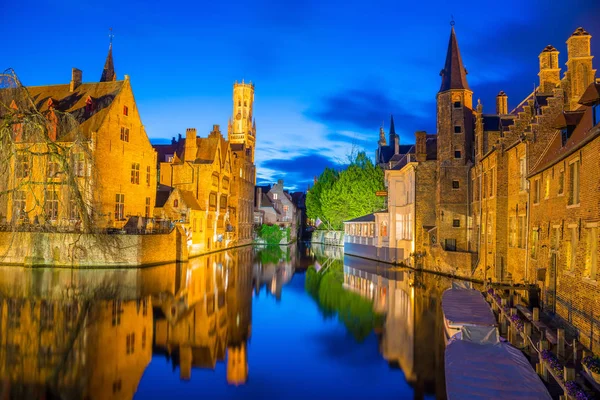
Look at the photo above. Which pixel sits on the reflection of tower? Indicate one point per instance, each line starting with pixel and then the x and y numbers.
pixel 237 365
pixel 242 130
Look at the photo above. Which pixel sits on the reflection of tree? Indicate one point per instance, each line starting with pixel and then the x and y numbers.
pixel 273 254
pixel 355 312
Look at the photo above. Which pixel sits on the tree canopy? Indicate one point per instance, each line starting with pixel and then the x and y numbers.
pixel 347 194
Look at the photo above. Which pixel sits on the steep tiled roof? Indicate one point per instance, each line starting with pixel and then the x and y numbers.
pixel 162 195
pixel 582 134
pixel 189 199
pixel 591 95
pixel 454 74
pixel 100 95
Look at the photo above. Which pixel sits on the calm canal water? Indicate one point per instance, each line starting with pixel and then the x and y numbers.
pixel 247 323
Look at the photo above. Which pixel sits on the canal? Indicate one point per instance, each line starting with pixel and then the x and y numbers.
pixel 283 322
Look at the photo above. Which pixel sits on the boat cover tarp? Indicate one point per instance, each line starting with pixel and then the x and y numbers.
pixel 466 306
pixel 489 371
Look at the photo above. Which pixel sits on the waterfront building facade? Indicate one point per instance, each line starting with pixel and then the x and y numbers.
pixel 93 156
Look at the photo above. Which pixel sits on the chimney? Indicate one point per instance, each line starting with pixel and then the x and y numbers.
pixel 190 144
pixel 258 197
pixel 421 147
pixel 173 141
pixel 215 130
pixel 76 76
pixel 549 69
pixel 502 103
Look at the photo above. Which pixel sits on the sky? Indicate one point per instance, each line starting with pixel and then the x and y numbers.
pixel 327 73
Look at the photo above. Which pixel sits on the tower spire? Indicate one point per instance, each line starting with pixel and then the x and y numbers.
pixel 393 135
pixel 454 74
pixel 108 73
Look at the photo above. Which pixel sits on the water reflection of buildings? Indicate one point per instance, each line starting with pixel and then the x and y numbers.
pixel 273 268
pixel 79 345
pixel 413 323
pixel 90 334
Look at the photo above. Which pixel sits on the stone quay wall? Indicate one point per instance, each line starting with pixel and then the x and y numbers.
pixel 334 238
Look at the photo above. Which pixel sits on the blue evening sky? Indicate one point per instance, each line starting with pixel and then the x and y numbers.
pixel 327 73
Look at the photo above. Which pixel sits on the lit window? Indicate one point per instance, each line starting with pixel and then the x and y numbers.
pixel 522 232
pixel 22 162
pixel 534 243
pixel 572 249
pixel 536 191
pixel 120 207
pixel 51 205
pixel 523 174
pixel 561 182
pixel 547 187
pixel 124 134
pixel 79 164
pixel 591 253
pixel 274 196
pixel 574 183
pixel 135 173
pixel 147 207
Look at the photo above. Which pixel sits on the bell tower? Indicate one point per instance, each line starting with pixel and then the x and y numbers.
pixel 242 127
pixel 455 126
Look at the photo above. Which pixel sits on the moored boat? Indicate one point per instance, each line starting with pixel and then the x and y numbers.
pixel 465 307
pixel 479 365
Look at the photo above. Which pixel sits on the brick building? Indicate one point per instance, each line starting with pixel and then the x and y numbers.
pixel 218 173
pixel 96 128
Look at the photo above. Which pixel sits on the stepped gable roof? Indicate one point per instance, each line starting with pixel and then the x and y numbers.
pixel 364 218
pixel 541 99
pixel 454 74
pixel 582 134
pixel 162 195
pixel 100 96
pixel 591 95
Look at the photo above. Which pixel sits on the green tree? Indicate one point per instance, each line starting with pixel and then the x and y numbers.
pixel 353 193
pixel 313 197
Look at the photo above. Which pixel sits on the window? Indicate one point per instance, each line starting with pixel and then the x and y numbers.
pixel 120 207
pixel 490 225
pixel 212 200
pixel 124 134
pixel 523 174
pixel 547 187
pixel 130 340
pixel 19 203
pixel 456 223
pixel 22 169
pixel 225 183
pixel 383 228
pixel 135 173
pixel 492 182
pixel 274 196
pixel 215 180
pixel 457 104
pixel 485 185
pixel 534 243
pixel 596 114
pixel 561 182
pixel 574 183
pixel 522 231
pixel 457 129
pixel 148 176
pixel 78 164
pixel 51 205
pixel 591 253
pixel 73 208
pixel 223 202
pixel 147 207
pixel 572 248
pixel 117 310
pixel 117 386
pixel 457 153
pixel 512 232
pixel 125 111
pixel 285 209
pixel 450 244
pixel 536 191
pixel 53 167
pixel 556 238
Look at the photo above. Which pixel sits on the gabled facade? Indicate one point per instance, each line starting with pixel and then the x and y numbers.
pixel 96 126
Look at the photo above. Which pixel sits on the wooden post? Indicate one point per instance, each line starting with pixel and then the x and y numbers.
pixel 536 314
pixel 569 374
pixel 560 337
